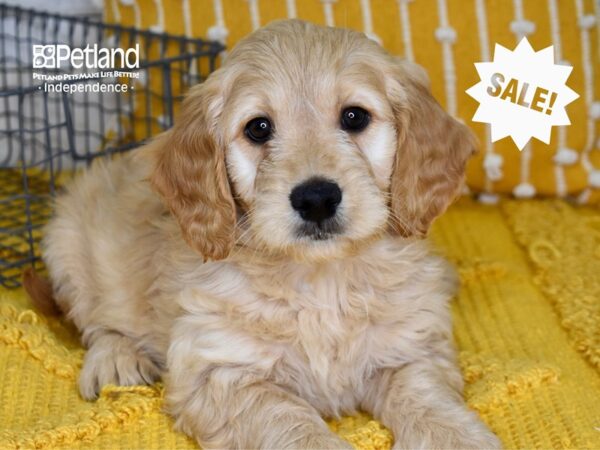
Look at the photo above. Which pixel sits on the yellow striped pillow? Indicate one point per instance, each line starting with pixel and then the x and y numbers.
pixel 446 37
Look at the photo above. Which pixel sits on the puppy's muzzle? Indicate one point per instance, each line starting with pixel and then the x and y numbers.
pixel 316 201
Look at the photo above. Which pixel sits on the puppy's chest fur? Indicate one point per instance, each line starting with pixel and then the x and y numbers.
pixel 324 331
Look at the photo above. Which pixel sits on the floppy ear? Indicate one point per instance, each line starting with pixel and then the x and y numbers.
pixel 432 152
pixel 190 175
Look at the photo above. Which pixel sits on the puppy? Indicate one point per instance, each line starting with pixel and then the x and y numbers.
pixel 264 256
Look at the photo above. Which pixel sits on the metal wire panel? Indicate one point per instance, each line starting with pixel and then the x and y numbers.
pixel 45 135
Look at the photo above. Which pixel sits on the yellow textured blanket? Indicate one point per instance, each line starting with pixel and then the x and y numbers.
pixel 527 326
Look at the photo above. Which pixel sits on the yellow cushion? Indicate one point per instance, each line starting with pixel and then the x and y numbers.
pixel 407 27
pixel 526 324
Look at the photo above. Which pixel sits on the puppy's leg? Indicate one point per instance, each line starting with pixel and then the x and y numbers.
pixel 113 358
pixel 232 407
pixel 423 406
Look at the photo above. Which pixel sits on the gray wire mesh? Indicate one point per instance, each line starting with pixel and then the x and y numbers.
pixel 46 136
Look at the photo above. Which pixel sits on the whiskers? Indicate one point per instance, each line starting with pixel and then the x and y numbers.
pixel 400 222
pixel 248 243
pixel 307 242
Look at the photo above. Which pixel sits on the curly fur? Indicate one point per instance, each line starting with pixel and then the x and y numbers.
pixel 181 259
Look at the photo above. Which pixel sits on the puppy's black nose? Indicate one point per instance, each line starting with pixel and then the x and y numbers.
pixel 316 199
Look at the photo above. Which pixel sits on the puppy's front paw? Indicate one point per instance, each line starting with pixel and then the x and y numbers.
pixel 114 359
pixel 447 435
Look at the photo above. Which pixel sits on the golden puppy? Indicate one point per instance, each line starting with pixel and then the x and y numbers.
pixel 305 171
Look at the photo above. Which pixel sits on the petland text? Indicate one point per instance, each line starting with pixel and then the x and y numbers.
pixel 91 57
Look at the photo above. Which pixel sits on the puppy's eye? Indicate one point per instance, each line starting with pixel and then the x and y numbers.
pixel 259 130
pixel 355 119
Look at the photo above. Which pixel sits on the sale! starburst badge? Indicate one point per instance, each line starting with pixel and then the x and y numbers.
pixel 522 93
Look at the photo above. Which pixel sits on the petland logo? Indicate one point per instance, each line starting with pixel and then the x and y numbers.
pixel 61 55
pixel 96 69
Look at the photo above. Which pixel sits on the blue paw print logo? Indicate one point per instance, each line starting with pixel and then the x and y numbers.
pixel 44 56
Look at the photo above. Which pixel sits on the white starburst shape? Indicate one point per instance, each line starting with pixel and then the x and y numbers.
pixel 522 93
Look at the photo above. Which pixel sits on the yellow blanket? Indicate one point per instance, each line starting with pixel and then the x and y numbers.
pixel 527 326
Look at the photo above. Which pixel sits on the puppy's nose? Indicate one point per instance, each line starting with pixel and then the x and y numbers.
pixel 316 199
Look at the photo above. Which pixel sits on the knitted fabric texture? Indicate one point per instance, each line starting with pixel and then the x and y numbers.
pixel 526 323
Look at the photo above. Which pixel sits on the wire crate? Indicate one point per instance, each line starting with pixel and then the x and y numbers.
pixel 47 133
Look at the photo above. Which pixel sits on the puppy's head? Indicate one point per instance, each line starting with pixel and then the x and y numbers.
pixel 309 141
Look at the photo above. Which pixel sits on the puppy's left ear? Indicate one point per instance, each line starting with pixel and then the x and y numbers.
pixel 191 177
pixel 432 152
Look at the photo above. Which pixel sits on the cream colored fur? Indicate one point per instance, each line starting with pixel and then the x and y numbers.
pixel 277 331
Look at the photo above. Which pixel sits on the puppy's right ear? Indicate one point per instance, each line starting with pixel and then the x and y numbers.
pixel 191 177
